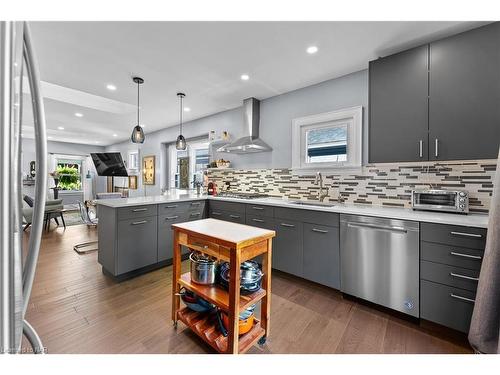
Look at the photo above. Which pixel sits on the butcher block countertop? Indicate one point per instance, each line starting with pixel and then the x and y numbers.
pixel 238 235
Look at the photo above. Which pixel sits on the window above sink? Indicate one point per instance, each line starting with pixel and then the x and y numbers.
pixel 327 141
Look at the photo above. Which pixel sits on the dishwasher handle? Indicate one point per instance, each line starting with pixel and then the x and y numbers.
pixel 378 227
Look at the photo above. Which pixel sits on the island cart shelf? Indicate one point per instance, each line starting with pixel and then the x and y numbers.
pixel 234 243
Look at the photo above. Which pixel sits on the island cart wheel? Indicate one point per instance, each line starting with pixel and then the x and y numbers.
pixel 262 341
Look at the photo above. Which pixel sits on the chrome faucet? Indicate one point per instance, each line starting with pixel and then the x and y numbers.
pixel 319 179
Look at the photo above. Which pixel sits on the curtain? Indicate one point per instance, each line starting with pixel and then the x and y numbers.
pixel 484 331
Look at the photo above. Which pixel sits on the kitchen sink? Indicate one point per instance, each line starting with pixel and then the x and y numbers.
pixel 317 204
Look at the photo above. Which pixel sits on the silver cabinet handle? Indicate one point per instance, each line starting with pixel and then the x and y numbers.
pixel 258 220
pixel 475 257
pixel 139 222
pixel 139 209
pixel 41 168
pixel 287 225
pixel 172 206
pixel 257 208
pixel 234 216
pixel 380 227
pixel 171 217
pixel 436 147
pixel 200 245
pixel 319 230
pixel 421 147
pixel 216 213
pixel 195 203
pixel 462 298
pixel 466 234
pixel 195 214
pixel 453 274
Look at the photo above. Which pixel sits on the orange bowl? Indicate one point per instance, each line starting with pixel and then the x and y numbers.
pixel 245 325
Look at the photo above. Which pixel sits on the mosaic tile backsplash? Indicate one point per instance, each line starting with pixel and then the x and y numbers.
pixel 378 184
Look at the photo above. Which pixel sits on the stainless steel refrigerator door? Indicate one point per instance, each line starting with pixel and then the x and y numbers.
pixel 380 261
pixel 15 280
pixel 11 299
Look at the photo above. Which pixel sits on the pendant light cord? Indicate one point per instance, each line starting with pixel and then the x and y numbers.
pixel 180 114
pixel 138 84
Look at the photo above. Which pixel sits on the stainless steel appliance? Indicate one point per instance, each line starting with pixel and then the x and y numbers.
pixel 380 261
pixel 440 200
pixel 16 278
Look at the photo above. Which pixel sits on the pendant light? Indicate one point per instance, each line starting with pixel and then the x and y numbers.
pixel 137 133
pixel 180 144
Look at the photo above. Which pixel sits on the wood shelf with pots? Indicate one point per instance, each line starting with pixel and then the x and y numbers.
pixel 235 243
pixel 217 295
pixel 206 327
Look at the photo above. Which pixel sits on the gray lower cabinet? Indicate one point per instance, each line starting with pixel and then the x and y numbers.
pixel 450 261
pixel 398 107
pixel 166 235
pixel 464 95
pixel 321 254
pixel 446 305
pixel 287 247
pixel 137 243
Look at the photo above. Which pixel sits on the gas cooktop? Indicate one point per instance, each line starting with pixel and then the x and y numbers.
pixel 232 194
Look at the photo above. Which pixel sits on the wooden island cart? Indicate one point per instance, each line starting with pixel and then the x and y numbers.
pixel 234 243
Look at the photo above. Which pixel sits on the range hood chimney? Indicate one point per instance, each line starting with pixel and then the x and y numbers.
pixel 250 142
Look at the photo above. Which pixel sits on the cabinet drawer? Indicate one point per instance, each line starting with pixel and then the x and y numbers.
pixel 133 212
pixel 195 205
pixel 227 206
pixel 451 255
pixel 307 216
pixel 197 243
pixel 260 210
pixel 446 305
pixel 235 217
pixel 322 254
pixel 454 235
pixel 137 243
pixel 449 275
pixel 260 221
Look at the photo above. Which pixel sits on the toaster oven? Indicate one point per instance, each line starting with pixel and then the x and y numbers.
pixel 440 200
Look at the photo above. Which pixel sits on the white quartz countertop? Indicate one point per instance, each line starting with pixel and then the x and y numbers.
pixel 471 220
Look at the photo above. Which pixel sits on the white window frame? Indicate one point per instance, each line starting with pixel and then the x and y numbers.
pixel 191 153
pixel 353 116
pixel 133 168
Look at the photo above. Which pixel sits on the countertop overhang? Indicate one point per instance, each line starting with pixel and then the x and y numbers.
pixel 471 219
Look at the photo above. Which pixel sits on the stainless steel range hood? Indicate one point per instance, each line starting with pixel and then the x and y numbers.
pixel 250 142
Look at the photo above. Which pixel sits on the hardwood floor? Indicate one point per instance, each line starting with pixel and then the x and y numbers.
pixel 76 309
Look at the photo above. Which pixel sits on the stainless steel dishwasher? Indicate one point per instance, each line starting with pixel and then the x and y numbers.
pixel 380 261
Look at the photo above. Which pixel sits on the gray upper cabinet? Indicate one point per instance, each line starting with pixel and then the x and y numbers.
pixel 464 110
pixel 398 107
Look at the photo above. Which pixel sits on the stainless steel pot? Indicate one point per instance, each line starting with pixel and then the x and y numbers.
pixel 203 269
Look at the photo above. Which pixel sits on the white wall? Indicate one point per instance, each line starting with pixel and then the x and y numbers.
pixel 28 154
pixel 276 115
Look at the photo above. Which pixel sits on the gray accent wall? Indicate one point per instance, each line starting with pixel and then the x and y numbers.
pixel 276 118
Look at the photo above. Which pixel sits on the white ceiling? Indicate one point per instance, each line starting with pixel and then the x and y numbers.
pixel 202 59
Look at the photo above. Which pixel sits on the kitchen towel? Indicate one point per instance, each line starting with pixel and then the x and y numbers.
pixel 484 333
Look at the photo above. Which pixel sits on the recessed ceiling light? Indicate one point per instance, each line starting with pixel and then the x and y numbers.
pixel 312 49
pixel 49 137
pixel 245 77
pixel 115 135
pixel 60 127
pixel 97 142
pixel 187 109
pixel 78 114
pixel 111 87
